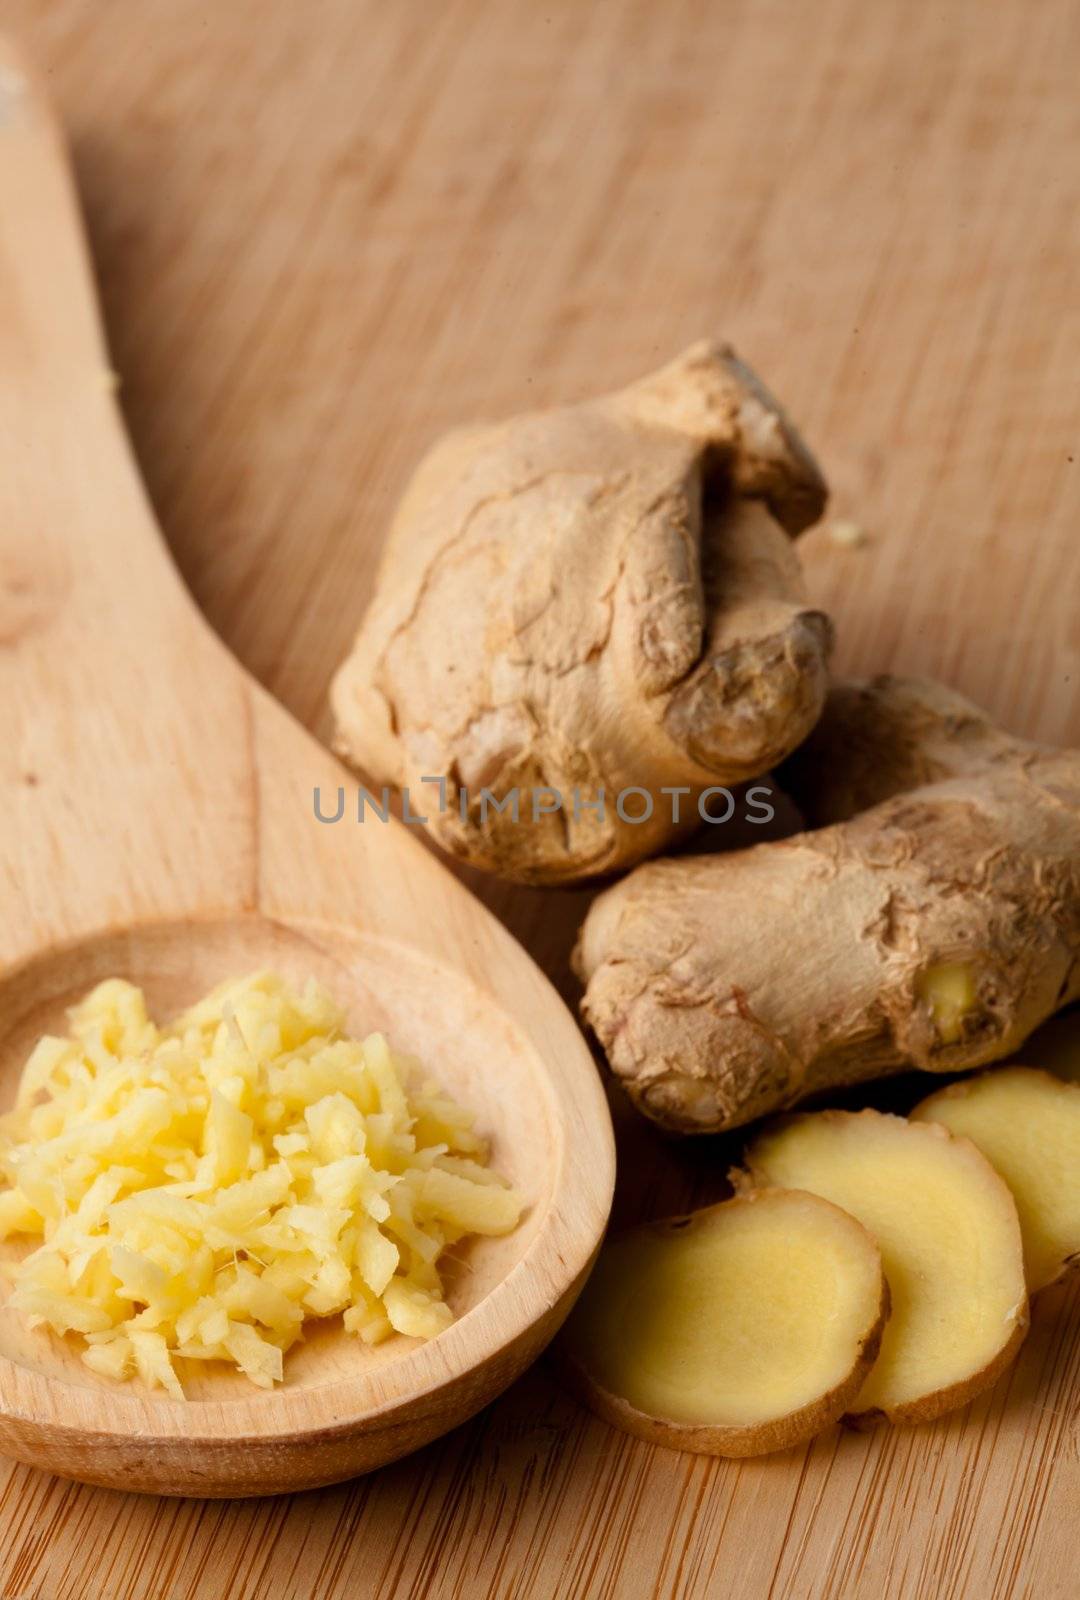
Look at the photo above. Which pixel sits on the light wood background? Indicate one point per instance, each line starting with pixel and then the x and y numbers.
pixel 326 231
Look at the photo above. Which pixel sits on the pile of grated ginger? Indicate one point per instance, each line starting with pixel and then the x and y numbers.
pixel 204 1188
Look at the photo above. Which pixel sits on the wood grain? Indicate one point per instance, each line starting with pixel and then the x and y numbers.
pixel 159 827
pixel 326 232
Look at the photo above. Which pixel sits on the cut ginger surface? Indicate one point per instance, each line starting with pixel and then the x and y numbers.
pixel 203 1188
pixel 950 1244
pixel 1027 1125
pixel 739 1329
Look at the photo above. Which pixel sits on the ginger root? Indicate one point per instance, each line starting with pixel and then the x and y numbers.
pixel 950 1243
pixel 1027 1125
pixel 886 736
pixel 740 1329
pixel 590 600
pixel 936 929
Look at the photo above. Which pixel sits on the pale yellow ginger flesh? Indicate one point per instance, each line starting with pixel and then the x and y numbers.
pixel 1027 1125
pixel 949 1238
pixel 737 1330
pixel 204 1188
pixel 950 994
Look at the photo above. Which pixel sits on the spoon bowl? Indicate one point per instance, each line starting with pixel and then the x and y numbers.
pixel 162 827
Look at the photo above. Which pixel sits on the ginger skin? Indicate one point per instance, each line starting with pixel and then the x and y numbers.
pixel 589 599
pixel 935 929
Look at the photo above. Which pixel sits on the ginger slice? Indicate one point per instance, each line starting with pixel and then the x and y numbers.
pixel 1027 1125
pixel 739 1329
pixel 950 1242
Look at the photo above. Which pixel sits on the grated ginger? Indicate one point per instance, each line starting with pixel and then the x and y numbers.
pixel 204 1188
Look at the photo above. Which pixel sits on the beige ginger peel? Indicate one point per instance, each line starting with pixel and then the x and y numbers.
pixel 590 599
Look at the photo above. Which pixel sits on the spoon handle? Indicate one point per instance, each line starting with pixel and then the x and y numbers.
pixel 49 324
pixel 76 529
pixel 144 778
pixel 124 743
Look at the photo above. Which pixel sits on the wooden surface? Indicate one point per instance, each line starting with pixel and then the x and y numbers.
pixel 159 826
pixel 327 231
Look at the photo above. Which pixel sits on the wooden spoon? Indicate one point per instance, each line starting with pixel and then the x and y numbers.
pixel 159 825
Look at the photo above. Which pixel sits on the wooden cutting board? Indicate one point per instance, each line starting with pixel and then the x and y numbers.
pixel 326 232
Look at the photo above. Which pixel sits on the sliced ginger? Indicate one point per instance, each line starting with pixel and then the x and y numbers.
pixel 1027 1125
pixel 950 1243
pixel 740 1329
